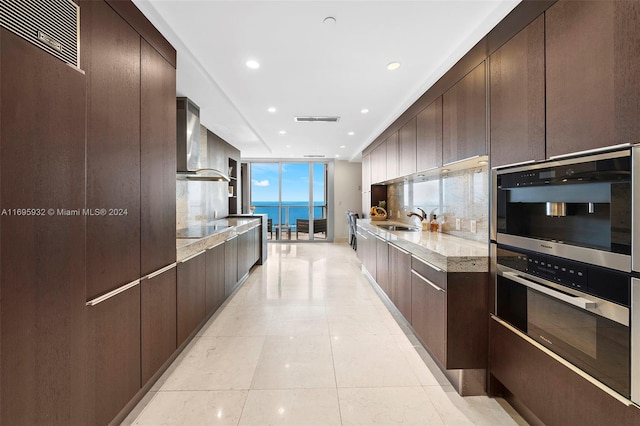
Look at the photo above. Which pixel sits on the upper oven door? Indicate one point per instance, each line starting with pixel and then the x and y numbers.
pixel 577 208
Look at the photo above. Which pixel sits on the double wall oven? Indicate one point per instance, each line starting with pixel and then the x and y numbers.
pixel 566 260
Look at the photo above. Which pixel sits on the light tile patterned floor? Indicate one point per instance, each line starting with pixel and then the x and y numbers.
pixel 306 340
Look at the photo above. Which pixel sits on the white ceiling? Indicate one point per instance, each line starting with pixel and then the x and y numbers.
pixel 311 68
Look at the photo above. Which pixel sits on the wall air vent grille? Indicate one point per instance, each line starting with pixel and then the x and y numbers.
pixel 52 25
pixel 316 119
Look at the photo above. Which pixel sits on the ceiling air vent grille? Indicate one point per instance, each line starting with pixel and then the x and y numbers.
pixel 316 119
pixel 313 156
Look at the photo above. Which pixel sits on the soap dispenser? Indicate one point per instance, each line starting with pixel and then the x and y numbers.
pixel 434 225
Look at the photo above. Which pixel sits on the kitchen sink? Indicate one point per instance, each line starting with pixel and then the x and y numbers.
pixel 399 228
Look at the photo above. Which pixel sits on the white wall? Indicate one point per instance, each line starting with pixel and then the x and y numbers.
pixel 347 195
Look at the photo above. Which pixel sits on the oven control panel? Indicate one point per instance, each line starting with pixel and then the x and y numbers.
pixel 608 284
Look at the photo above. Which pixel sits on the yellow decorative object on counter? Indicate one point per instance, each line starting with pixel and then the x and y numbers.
pixel 378 213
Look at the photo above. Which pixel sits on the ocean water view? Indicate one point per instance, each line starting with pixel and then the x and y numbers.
pixel 291 210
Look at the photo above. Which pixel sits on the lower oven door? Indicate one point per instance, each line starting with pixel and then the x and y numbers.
pixel 570 324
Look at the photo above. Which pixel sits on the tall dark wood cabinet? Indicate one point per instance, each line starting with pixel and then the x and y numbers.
pixel 517 86
pixel 158 159
pixel 407 148
pixel 593 83
pixel 111 59
pixel 158 323
pixel 464 117
pixel 190 295
pixel 42 275
pixel 114 370
pixel 429 136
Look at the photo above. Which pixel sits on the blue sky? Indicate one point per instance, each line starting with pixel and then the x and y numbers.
pixel 295 182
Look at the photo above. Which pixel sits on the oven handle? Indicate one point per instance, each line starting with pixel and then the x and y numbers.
pixel 580 302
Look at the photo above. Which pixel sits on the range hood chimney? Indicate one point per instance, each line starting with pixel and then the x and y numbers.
pixel 190 164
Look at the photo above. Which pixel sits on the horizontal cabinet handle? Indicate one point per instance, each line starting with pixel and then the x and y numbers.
pixel 113 293
pixel 428 282
pixel 399 249
pixel 160 271
pixel 427 264
pixel 192 256
pixel 379 238
pixel 217 245
pixel 577 301
pixel 232 238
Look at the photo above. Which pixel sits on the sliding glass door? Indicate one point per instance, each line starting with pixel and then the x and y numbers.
pixel 293 195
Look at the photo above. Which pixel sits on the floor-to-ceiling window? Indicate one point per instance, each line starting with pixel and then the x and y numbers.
pixel 293 195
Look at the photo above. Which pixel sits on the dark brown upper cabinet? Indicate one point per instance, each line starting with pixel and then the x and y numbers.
pixel 366 172
pixel 592 77
pixel 517 97
pixel 379 163
pixel 464 118
pixel 392 156
pixel 158 159
pixel 429 136
pixel 111 59
pixel 407 148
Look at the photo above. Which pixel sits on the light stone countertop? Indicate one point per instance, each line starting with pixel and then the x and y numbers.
pixel 447 252
pixel 186 247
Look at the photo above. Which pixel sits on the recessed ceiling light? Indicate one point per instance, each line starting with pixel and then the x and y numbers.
pixel 393 66
pixel 364 110
pixel 337 155
pixel 343 146
pixel 288 146
pixel 329 21
pixel 254 65
pixel 351 133
pixel 272 109
pixel 283 132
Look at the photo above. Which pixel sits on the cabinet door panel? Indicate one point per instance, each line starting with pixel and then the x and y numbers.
pixel 517 98
pixel 429 136
pixel 42 312
pixel 392 156
pixel 158 159
pixel 428 316
pixel 407 148
pixel 114 356
pixel 593 84
pixel 400 278
pixel 382 266
pixel 158 321
pixel 464 118
pixel 111 59
pixel 366 173
pixel 190 296
pixel 215 278
pixel 230 265
pixel 379 164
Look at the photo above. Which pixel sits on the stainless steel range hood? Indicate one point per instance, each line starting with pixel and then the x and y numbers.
pixel 191 165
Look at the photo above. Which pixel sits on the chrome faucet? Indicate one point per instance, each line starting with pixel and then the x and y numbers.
pixel 422 216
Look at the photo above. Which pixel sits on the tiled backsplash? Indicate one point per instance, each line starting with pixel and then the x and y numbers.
pixel 460 195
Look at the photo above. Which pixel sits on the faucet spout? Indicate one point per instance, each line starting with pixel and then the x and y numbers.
pixel 422 216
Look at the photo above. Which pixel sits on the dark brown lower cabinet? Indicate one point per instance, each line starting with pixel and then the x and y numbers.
pixel 400 280
pixel 230 265
pixel 449 314
pixel 113 376
pixel 245 252
pixel 428 309
pixel 555 394
pixel 214 289
pixel 190 295
pixel 382 265
pixel 158 309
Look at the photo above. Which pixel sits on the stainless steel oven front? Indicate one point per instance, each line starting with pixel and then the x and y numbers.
pixel 566 260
